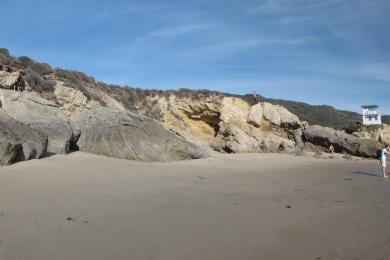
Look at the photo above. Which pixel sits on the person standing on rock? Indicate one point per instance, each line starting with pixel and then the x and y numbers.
pixel 255 97
pixel 383 159
pixel 17 84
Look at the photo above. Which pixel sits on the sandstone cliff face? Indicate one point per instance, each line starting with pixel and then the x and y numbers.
pixel 380 134
pixel 225 124
pixel 194 119
pixel 260 128
pixel 229 124
pixel 213 121
pixel 71 100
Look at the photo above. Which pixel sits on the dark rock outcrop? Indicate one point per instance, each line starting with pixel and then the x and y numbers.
pixel 343 142
pixel 125 135
pixel 40 114
pixel 18 142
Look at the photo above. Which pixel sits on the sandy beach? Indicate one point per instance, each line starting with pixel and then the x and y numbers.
pixel 247 206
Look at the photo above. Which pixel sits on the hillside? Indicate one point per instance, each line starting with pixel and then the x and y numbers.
pixel 386 119
pixel 41 78
pixel 316 115
pixel 61 110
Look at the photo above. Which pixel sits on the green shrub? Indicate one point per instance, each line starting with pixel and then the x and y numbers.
pixel 5 58
pixel 37 83
pixel 74 76
pixel 352 128
pixel 40 68
pixel 75 79
pixel 4 51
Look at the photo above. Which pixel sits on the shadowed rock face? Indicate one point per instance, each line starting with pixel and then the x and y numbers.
pixel 324 136
pixel 18 142
pixel 39 114
pixel 125 135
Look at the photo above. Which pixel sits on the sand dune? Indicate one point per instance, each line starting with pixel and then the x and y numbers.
pixel 248 206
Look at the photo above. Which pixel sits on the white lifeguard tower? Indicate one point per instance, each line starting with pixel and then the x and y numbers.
pixel 371 115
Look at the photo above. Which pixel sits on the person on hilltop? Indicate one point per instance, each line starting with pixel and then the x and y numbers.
pixel 383 159
pixel 255 97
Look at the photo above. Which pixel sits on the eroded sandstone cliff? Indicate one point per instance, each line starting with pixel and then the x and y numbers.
pixel 48 101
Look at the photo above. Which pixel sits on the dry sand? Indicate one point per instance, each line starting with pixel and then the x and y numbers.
pixel 250 206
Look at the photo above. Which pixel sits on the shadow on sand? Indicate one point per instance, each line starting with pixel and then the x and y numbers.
pixel 366 173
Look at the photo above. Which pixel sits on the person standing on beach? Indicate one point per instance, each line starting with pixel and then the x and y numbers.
pixel 383 159
pixel 331 148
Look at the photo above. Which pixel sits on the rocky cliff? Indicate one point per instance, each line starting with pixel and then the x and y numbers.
pixel 70 110
pixel 33 125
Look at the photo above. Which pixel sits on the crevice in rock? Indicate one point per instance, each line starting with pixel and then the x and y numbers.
pixel 73 146
pixel 227 149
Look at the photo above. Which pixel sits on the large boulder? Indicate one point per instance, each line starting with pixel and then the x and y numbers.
pixel 288 119
pixel 40 114
pixel 233 139
pixel 271 114
pixel 280 116
pixel 19 142
pixel 343 142
pixel 234 111
pixel 254 129
pixel 72 100
pixel 125 135
pixel 255 116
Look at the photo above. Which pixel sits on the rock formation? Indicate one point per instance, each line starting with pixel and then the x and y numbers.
pixel 67 109
pixel 19 142
pixel 343 142
pixel 71 100
pixel 381 134
pixel 40 114
pixel 125 135
pixel 12 78
pixel 253 129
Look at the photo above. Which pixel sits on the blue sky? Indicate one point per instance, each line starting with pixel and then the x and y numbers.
pixel 333 52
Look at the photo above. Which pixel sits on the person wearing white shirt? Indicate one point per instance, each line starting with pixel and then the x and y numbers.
pixel 383 159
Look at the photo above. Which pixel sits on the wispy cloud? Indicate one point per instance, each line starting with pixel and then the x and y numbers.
pixel 169 32
pixel 274 6
pixel 252 43
pixel 49 19
pixel 290 20
pixel 177 30
pixel 134 8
